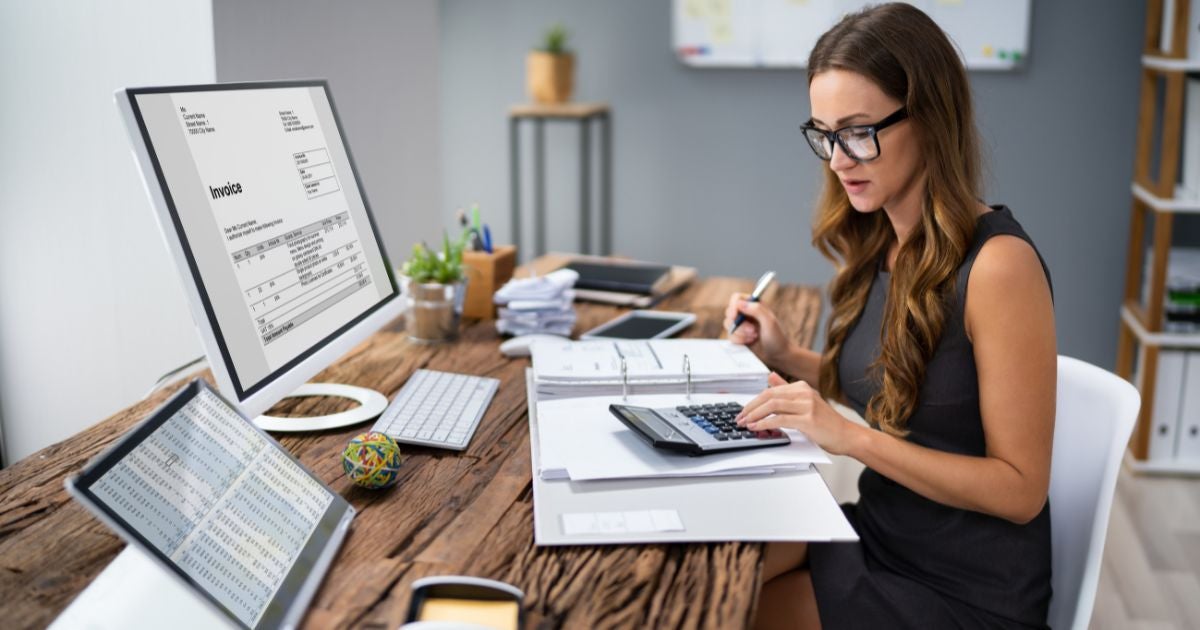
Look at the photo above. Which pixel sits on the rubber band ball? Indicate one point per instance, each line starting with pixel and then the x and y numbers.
pixel 372 460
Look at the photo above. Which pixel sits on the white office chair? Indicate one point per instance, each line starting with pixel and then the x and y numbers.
pixel 1095 417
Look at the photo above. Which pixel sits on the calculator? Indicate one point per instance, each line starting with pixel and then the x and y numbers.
pixel 696 429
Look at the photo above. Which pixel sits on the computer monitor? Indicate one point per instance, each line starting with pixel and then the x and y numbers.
pixel 262 209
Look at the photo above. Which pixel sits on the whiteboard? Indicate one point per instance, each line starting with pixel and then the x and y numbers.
pixel 991 34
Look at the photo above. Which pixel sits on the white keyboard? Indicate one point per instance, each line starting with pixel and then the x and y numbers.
pixel 437 409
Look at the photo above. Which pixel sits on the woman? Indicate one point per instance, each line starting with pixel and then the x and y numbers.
pixel 941 336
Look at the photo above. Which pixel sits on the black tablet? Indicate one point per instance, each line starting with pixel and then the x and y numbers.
pixel 221 505
pixel 642 325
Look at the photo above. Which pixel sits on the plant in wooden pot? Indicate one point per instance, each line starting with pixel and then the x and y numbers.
pixel 435 286
pixel 550 70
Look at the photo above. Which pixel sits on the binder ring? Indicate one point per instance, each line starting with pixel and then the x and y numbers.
pixel 687 372
pixel 624 381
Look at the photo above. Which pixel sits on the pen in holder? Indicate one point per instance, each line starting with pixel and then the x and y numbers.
pixel 486 272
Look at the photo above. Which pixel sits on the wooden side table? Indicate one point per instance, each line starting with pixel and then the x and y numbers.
pixel 587 115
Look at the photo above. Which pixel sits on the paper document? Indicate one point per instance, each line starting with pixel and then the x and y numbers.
pixel 579 439
pixel 628 522
pixel 784 506
pixel 537 305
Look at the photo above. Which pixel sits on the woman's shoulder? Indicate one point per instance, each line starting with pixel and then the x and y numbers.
pixel 1003 254
pixel 1007 280
pixel 998 220
pixel 1006 260
pixel 1007 296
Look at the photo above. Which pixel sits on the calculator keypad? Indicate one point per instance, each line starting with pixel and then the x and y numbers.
pixel 718 421
pixel 696 429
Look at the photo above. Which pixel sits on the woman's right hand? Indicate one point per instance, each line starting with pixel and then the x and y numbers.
pixel 760 331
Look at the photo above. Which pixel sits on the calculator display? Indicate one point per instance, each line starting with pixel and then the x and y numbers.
pixel 652 424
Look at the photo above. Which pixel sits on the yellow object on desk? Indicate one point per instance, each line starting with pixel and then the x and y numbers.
pixel 501 615
pixel 486 272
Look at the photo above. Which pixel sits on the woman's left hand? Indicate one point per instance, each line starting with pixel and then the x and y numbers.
pixel 799 406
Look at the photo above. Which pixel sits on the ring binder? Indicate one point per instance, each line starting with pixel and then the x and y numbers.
pixel 638 368
pixel 687 378
pixel 624 380
pixel 687 373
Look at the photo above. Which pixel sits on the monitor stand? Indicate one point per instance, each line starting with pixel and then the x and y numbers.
pixel 370 404
pixel 134 591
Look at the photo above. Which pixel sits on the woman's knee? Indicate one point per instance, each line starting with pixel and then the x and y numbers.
pixel 788 602
pixel 781 557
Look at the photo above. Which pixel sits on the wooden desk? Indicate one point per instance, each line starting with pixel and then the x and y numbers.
pixel 468 513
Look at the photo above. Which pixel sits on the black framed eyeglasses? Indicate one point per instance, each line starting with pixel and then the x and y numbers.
pixel 859 142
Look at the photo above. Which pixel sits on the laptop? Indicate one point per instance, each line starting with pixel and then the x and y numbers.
pixel 221 506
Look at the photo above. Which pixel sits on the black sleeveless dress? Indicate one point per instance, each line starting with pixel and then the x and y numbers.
pixel 921 564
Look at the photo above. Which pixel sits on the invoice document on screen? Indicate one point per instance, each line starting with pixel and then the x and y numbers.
pixel 272 213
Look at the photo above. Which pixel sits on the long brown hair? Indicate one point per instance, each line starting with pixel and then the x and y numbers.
pixel 908 56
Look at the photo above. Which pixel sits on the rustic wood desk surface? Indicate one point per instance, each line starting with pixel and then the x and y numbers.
pixel 468 513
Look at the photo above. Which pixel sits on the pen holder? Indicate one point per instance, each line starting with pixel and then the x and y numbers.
pixel 433 310
pixel 486 273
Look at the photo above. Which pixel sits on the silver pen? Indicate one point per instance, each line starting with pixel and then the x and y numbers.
pixel 759 289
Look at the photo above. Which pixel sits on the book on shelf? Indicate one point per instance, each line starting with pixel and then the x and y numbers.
pixel 1189 185
pixel 1181 302
pixel 1166 37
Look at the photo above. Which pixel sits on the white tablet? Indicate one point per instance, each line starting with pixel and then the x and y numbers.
pixel 642 325
pixel 222 506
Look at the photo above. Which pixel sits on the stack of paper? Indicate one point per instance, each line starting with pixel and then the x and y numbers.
pixel 540 304
pixel 570 369
pixel 579 439
pixel 680 502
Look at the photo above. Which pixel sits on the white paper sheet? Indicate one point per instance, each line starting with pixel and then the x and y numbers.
pixel 628 522
pixel 581 440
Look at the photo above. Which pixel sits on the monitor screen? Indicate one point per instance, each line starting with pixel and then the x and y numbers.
pixel 271 217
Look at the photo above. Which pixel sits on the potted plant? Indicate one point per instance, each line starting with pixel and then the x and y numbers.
pixel 550 70
pixel 435 285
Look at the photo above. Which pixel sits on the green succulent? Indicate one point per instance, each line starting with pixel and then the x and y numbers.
pixel 445 266
pixel 555 42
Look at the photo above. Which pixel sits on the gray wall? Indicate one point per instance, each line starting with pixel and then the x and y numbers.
pixel 381 60
pixel 710 171
pixel 91 307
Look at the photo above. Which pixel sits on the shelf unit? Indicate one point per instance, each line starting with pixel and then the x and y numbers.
pixel 1141 328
